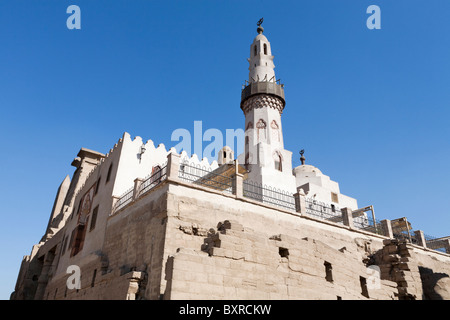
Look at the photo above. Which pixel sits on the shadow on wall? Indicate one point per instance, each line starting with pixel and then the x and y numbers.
pixel 435 285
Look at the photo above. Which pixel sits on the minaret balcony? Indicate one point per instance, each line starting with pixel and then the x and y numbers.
pixel 262 87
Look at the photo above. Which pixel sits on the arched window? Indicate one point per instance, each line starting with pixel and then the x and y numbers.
pixel 274 124
pixel 255 50
pixel 261 129
pixel 275 131
pixel 265 48
pixel 278 161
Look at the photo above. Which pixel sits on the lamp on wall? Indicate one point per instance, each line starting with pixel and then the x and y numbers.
pixel 141 152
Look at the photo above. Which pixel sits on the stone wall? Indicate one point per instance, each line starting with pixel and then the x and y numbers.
pixel 129 265
pixel 266 253
pixel 182 241
pixel 419 273
pixel 240 263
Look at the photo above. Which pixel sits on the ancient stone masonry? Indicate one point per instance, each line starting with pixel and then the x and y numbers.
pixel 396 265
pixel 399 262
pixel 238 263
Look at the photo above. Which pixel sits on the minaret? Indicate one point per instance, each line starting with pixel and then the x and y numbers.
pixel 262 101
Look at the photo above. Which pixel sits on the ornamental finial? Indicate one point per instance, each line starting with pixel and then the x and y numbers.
pixel 259 23
pixel 302 158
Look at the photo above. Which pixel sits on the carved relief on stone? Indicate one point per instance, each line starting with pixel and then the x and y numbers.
pixel 261 130
pixel 275 131
pixel 261 101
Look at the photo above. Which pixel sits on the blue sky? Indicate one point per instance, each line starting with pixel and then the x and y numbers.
pixel 370 107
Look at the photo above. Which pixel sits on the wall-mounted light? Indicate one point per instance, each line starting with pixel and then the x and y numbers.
pixel 141 152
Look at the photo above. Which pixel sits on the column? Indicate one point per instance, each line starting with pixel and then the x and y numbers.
pixel 347 217
pixel 137 187
pixel 173 165
pixel 420 238
pixel 387 228
pixel 300 201
pixel 238 185
pixel 114 203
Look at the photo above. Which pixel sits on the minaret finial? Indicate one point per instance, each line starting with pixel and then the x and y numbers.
pixel 302 158
pixel 259 23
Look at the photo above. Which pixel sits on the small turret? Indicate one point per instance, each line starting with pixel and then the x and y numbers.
pixel 226 155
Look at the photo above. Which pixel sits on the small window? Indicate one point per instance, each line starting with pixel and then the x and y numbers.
pixel 108 176
pixel 363 283
pixel 278 165
pixel 72 237
pixel 74 212
pixel 255 52
pixel 93 278
pixel 224 154
pixel 334 197
pixel 265 48
pixel 278 162
pixel 328 271
pixel 78 239
pixel 93 218
pixel 284 253
pixel 64 245
pixel 333 208
pixel 97 186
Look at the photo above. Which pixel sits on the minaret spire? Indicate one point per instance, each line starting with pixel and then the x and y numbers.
pixel 262 101
pixel 261 77
pixel 261 65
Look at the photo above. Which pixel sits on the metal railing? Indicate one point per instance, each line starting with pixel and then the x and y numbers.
pixel 159 175
pixel 324 211
pixel 434 243
pixel 124 199
pixel 150 182
pixel 205 176
pixel 197 174
pixel 405 235
pixel 265 194
pixel 366 223
pixel 429 239
pixel 267 87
